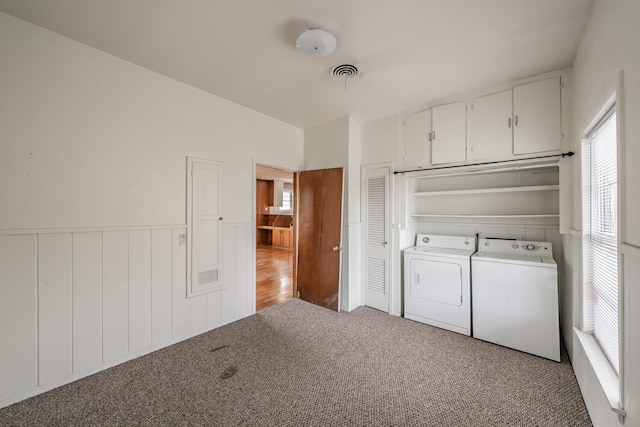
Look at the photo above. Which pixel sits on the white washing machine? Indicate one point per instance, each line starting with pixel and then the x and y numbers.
pixel 515 296
pixel 437 281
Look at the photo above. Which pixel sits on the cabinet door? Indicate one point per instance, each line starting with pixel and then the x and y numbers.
pixel 537 119
pixel 417 140
pixel 449 140
pixel 288 241
pixel 276 238
pixel 493 126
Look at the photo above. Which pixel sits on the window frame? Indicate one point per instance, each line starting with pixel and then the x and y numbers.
pixel 588 321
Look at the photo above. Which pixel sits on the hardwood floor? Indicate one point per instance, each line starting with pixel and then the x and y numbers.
pixel 273 276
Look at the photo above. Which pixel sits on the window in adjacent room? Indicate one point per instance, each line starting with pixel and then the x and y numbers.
pixel 287 199
pixel 600 237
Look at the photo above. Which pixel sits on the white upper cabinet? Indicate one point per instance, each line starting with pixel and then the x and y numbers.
pixel 448 141
pixel 493 126
pixel 537 117
pixel 508 125
pixel 417 140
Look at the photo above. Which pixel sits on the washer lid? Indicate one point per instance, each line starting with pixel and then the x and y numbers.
pixel 539 261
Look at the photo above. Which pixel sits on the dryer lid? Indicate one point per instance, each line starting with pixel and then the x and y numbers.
pixel 440 252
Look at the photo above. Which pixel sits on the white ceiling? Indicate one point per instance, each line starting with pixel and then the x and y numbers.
pixel 409 52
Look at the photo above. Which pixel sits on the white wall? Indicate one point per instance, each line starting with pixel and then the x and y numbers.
pixel 89 139
pixel 610 45
pixel 337 144
pixel 92 187
pixel 380 140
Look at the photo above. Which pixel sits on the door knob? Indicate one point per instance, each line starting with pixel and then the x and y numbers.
pixel 337 248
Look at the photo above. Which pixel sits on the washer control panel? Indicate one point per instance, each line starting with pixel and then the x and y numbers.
pixel 516 246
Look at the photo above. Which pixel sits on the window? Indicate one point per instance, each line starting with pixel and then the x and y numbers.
pixel 287 199
pixel 600 237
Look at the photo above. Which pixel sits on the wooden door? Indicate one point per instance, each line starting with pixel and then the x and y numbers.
pixel 320 236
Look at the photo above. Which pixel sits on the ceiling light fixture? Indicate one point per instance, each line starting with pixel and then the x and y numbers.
pixel 316 42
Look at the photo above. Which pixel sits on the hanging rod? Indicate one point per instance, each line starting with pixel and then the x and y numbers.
pixel 567 154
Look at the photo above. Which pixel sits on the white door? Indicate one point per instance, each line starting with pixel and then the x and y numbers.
pixel 417 140
pixel 449 136
pixel 537 117
pixel 376 235
pixel 436 281
pixel 204 223
pixel 493 126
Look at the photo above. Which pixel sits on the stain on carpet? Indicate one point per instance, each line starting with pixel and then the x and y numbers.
pixel 228 372
pixel 222 347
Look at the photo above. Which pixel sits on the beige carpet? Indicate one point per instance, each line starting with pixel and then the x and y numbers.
pixel 297 364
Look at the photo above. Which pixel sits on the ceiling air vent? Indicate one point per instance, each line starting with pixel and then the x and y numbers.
pixel 344 72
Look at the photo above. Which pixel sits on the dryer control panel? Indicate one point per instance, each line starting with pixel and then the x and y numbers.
pixel 446 242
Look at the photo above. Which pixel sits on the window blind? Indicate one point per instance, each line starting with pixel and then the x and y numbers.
pixel 600 206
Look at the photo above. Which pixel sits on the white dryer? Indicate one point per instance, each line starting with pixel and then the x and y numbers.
pixel 515 296
pixel 437 281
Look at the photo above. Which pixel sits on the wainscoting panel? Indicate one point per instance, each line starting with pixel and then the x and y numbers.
pixel 139 290
pixel 238 274
pixel 87 301
pixel 76 301
pixel 54 307
pixel 198 314
pixel 18 315
pixel 181 305
pixel 161 292
pixel 115 295
pixel 213 309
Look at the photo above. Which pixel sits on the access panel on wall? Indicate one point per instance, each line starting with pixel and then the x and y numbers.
pixel 204 224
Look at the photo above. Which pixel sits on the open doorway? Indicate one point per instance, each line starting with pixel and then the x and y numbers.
pixel 275 237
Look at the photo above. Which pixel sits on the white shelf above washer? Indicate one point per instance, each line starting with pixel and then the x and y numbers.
pixel 487 216
pixel 488 190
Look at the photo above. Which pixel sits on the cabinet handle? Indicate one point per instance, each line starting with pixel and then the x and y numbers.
pixel 434 135
pixel 516 120
pixel 430 135
pixel 509 122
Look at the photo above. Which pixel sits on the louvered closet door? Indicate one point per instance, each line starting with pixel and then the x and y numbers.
pixel 376 262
